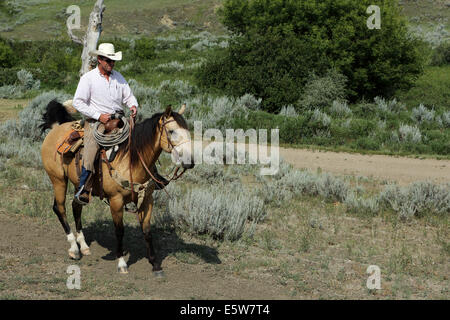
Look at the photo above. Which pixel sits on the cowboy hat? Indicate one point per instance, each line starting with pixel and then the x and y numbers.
pixel 107 50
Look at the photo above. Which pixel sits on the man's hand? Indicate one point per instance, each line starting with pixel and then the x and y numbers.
pixel 133 110
pixel 104 118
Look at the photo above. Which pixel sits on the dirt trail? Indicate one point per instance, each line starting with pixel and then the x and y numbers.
pixel 34 261
pixel 403 170
pixel 400 169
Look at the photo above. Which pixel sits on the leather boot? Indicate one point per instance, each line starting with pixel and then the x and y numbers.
pixel 82 195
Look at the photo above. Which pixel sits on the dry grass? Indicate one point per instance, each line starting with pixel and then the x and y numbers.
pixel 305 249
pixel 10 108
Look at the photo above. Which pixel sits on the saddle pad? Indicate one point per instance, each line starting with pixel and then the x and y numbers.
pixel 70 140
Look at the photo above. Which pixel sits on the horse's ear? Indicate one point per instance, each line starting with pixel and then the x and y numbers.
pixel 168 111
pixel 183 108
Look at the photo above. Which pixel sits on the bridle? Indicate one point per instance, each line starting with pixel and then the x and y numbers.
pixel 161 126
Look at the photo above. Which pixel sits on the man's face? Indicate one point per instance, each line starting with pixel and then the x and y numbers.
pixel 106 64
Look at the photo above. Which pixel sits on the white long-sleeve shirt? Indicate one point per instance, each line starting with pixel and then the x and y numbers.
pixel 96 95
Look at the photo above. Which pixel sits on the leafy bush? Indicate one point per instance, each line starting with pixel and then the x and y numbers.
pixel 23 85
pixel 409 134
pixel 144 49
pixel 340 109
pixel 270 66
pixel 26 80
pixel 357 204
pixel 422 114
pixel 249 101
pixel 27 126
pixel 288 111
pixel 322 91
pixel 441 55
pixel 221 211
pixel 173 66
pixel 388 106
pixel 417 199
pixel 6 55
pixel 54 63
pixel 278 43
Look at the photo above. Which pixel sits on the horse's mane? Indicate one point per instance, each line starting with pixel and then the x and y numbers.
pixel 143 133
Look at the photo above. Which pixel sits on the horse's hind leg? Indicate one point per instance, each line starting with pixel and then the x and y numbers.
pixel 60 188
pixel 76 209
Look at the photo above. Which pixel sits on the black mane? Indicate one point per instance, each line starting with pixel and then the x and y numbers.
pixel 143 134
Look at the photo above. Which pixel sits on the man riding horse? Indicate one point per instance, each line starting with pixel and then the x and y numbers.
pixel 101 93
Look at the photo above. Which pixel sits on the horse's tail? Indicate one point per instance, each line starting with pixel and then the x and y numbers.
pixel 56 113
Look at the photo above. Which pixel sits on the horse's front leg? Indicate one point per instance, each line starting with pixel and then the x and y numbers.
pixel 77 209
pixel 145 214
pixel 116 205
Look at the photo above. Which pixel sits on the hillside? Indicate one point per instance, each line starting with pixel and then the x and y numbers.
pixel 45 19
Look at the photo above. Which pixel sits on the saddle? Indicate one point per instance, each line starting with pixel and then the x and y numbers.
pixel 74 138
pixel 72 146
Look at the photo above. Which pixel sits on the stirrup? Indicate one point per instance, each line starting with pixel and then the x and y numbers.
pixel 82 196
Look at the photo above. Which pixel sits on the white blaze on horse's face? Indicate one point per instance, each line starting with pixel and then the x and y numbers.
pixel 180 140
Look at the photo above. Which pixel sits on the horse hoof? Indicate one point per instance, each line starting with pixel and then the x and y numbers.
pixel 122 270
pixel 75 255
pixel 86 252
pixel 159 274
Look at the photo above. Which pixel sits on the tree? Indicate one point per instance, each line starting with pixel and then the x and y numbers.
pixel 90 40
pixel 333 33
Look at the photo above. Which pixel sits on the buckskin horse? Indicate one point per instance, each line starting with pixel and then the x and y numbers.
pixel 166 131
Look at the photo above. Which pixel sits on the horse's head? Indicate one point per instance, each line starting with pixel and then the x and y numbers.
pixel 175 137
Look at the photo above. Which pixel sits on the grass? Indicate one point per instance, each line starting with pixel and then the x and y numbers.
pixel 10 108
pixel 138 17
pixel 430 89
pixel 425 12
pixel 309 247
pixel 324 263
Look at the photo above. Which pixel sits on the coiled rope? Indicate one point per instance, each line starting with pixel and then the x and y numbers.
pixel 113 138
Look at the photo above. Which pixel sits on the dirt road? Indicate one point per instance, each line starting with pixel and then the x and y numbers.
pixel 400 169
pixel 34 262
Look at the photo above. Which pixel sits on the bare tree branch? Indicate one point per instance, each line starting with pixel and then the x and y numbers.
pixel 73 37
pixel 90 40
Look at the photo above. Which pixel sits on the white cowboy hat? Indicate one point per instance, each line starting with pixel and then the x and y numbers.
pixel 107 50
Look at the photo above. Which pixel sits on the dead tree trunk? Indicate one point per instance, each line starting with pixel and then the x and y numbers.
pixel 91 37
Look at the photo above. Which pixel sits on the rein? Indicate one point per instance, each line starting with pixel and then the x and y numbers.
pixel 133 193
pixel 175 176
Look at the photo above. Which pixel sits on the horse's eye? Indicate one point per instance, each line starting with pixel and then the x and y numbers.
pixel 171 132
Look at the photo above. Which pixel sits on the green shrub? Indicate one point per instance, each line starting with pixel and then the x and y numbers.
pixel 361 127
pixel 322 91
pixel 441 55
pixel 270 66
pixel 144 49
pixel 367 143
pixel 284 40
pixel 7 59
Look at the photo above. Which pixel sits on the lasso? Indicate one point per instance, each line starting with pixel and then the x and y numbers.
pixel 115 137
